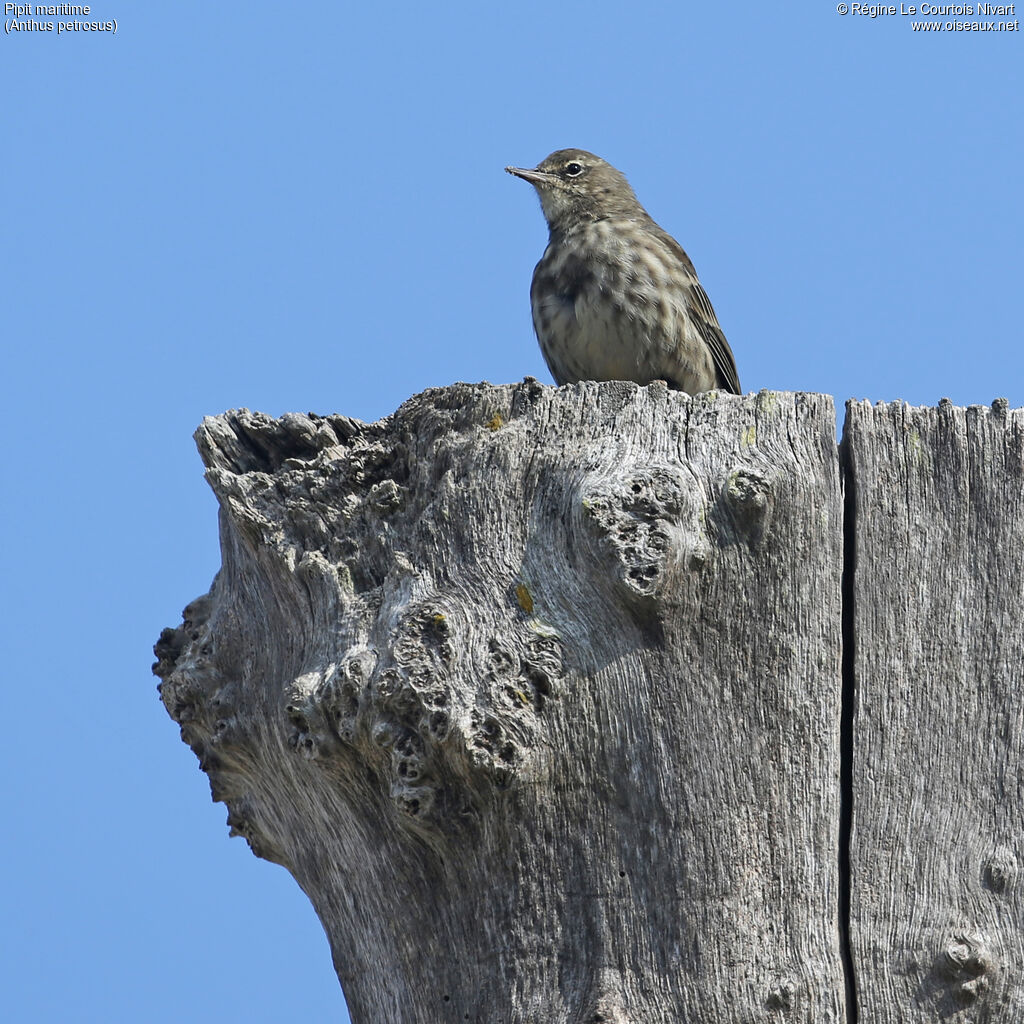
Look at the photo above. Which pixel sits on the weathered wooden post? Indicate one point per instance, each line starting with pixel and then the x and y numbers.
pixel 538 695
pixel 937 527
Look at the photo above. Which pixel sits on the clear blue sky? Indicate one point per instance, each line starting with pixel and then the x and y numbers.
pixel 302 207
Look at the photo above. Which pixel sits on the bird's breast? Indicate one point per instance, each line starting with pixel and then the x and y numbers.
pixel 609 303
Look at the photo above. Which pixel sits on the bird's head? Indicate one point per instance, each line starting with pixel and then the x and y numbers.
pixel 575 185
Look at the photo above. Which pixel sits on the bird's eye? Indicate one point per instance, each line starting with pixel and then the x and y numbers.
pixel 573 170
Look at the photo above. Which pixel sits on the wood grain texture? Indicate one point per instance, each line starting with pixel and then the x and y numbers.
pixel 536 694
pixel 938 820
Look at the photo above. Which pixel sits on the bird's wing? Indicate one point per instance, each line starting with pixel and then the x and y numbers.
pixel 704 319
pixel 707 324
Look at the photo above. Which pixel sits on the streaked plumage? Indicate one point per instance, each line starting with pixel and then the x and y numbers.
pixel 614 297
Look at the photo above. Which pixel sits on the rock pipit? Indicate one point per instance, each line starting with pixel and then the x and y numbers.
pixel 615 297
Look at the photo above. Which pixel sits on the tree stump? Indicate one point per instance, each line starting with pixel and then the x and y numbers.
pixel 537 695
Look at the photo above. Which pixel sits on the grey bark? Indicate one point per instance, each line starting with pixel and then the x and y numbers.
pixel 938 799
pixel 536 693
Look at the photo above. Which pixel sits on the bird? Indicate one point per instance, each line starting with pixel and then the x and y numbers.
pixel 615 297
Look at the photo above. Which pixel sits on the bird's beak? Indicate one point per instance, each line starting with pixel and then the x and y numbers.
pixel 534 177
